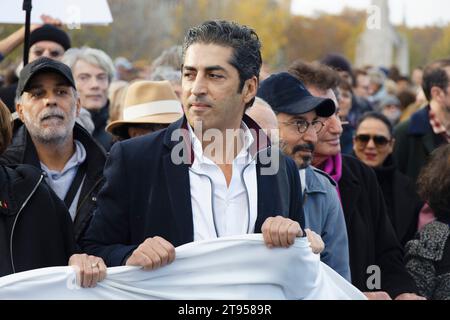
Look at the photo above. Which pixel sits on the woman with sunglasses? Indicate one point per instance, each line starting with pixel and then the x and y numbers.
pixel 373 144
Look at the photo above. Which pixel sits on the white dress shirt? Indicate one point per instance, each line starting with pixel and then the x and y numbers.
pixel 219 210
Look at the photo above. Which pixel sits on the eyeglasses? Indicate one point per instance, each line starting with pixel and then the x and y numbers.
pixel 303 125
pixel 378 140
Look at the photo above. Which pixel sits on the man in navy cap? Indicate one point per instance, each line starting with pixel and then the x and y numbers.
pixel 298 114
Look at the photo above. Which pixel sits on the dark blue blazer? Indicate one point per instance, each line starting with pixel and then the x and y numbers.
pixel 146 194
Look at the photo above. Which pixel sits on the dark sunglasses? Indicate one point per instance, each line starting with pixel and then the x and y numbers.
pixel 379 141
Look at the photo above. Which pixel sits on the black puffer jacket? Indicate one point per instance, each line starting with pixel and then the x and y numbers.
pixel 35 227
pixel 22 151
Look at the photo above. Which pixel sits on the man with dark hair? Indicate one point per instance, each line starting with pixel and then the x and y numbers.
pixel 297 114
pixel 203 177
pixel 371 237
pixel 429 127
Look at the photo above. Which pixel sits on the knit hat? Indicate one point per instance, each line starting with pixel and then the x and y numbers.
pixel 337 62
pixel 49 32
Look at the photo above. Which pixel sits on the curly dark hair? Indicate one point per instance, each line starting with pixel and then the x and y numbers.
pixel 5 127
pixel 244 41
pixel 315 75
pixel 434 182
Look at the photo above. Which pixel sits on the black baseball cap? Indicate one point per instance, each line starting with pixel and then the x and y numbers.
pixel 286 94
pixel 43 64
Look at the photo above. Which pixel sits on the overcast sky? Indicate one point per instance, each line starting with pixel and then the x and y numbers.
pixel 416 12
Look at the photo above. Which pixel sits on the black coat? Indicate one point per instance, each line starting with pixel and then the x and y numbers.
pixel 414 141
pixel 146 194
pixel 43 232
pixel 22 151
pixel 402 201
pixel 371 237
pixel 100 120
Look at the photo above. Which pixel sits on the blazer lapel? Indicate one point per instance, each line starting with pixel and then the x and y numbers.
pixel 177 180
pixel 273 194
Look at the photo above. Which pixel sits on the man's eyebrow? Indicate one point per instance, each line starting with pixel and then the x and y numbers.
pixel 300 117
pixel 63 84
pixel 208 69
pixel 188 68
pixel 36 85
pixel 215 68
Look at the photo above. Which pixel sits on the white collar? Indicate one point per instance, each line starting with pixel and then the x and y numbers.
pixel 243 154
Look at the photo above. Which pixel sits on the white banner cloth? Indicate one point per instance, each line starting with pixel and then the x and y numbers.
pixel 230 268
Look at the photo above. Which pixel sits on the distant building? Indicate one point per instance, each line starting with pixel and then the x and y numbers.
pixel 380 44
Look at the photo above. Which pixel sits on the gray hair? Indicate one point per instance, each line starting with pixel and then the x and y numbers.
pixel 93 56
pixel 165 73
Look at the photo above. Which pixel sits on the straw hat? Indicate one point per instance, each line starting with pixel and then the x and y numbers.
pixel 148 102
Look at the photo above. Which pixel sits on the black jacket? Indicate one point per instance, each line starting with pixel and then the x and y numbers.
pixel 34 222
pixel 371 237
pixel 146 194
pixel 100 119
pixel 402 201
pixel 414 141
pixel 22 151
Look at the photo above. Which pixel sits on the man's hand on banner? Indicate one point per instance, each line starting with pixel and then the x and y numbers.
pixel 377 295
pixel 315 241
pixel 89 269
pixel 280 231
pixel 153 253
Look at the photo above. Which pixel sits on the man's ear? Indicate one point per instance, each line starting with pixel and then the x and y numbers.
pixel 250 88
pixel 436 93
pixel 78 106
pixel 19 110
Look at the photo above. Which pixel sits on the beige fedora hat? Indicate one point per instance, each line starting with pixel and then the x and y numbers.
pixel 148 102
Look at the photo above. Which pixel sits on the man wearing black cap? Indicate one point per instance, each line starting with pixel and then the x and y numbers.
pixel 46 41
pixel 51 140
pixel 298 115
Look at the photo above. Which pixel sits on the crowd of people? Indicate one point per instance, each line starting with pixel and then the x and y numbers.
pixel 102 166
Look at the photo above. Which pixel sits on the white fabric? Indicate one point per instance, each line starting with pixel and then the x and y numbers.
pixel 302 173
pixel 151 109
pixel 230 203
pixel 70 12
pixel 239 267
